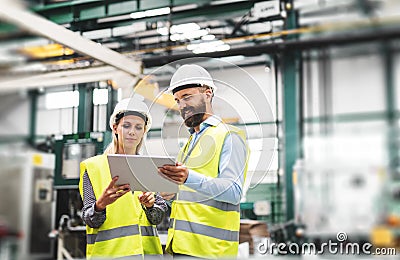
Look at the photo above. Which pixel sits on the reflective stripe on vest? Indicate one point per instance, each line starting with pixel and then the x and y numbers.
pixel 131 257
pixel 148 231
pixel 105 235
pixel 199 198
pixel 209 231
pixel 150 239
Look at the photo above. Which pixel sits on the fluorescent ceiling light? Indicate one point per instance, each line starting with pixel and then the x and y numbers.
pixel 112 45
pixel 177 37
pixel 198 51
pixel 159 11
pixel 224 47
pixel 150 13
pixel 6 57
pixel 188 31
pixel 162 30
pixel 134 28
pixel 195 34
pixel 35 42
pixel 183 7
pixel 113 18
pixel 205 47
pixel 138 15
pixel 185 27
pixel 232 59
pixel 123 30
pixel 225 2
pixel 208 37
pixel 179 28
pixel 103 84
pixel 97 34
pixel 35 67
pixel 191 47
pixel 151 40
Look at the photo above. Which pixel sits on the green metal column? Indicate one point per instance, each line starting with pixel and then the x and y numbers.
pixel 85 109
pixel 33 94
pixel 390 94
pixel 290 112
pixel 112 101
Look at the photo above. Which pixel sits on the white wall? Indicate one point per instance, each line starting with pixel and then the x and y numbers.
pixel 14 114
pixel 55 121
pixel 247 94
pixel 358 84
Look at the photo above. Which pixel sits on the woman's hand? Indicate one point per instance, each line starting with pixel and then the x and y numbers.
pixel 147 199
pixel 167 196
pixel 111 194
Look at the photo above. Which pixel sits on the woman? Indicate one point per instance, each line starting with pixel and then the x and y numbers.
pixel 120 223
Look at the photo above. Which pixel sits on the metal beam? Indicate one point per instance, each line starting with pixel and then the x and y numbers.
pixel 60 78
pixel 16 14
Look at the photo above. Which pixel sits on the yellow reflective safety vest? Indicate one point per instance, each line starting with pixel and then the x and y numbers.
pixel 150 239
pixel 119 235
pixel 201 226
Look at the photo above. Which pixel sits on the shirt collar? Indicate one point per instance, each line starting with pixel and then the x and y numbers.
pixel 210 121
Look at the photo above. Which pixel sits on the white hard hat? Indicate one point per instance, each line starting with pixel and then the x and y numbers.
pixel 189 74
pixel 134 104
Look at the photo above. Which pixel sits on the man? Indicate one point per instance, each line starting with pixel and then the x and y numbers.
pixel 205 216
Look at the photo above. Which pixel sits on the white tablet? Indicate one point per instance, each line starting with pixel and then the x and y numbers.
pixel 141 172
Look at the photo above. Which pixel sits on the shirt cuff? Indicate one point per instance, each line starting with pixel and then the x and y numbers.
pixel 146 208
pixel 195 179
pixel 97 212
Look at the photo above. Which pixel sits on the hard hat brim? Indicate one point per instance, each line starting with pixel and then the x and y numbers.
pixel 188 84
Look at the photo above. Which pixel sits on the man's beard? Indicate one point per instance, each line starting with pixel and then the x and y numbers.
pixel 194 120
pixel 197 115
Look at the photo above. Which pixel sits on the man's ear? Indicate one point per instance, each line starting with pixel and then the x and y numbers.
pixel 209 93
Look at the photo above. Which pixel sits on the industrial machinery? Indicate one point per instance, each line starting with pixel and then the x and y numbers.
pixel 26 204
pixel 70 150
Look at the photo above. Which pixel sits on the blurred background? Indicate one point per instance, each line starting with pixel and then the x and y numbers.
pixel 315 84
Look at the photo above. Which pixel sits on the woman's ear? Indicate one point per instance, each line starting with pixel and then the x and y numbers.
pixel 115 128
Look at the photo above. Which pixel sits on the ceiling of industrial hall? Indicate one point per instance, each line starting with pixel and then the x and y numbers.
pixel 143 27
pixel 150 30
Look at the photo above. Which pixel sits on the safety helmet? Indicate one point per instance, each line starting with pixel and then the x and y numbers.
pixel 134 104
pixel 190 74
